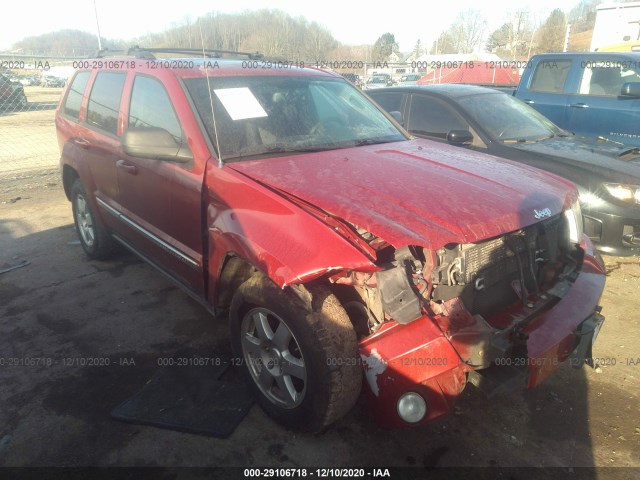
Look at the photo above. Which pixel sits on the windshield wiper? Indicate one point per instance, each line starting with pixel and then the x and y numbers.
pixel 285 149
pixel 565 134
pixel 371 141
pixel 528 140
pixel 273 149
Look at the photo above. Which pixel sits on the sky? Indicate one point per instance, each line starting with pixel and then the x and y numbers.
pixel 350 22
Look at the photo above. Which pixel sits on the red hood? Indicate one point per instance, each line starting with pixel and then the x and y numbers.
pixel 417 192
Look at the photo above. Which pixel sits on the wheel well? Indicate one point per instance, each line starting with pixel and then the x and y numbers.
pixel 69 176
pixel 235 272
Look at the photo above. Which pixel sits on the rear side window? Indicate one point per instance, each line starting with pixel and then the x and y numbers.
pixel 432 117
pixel 104 102
pixel 606 78
pixel 151 107
pixel 74 95
pixel 550 76
pixel 391 102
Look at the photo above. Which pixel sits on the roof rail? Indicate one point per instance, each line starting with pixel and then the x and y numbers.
pixel 148 53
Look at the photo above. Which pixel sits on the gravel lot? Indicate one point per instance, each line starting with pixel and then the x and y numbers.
pixel 61 305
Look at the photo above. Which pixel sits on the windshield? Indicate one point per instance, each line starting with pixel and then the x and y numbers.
pixel 265 115
pixel 508 119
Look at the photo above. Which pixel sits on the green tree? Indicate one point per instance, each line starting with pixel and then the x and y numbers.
pixel 384 46
pixel 513 38
pixel 501 37
pixel 552 32
pixel 417 49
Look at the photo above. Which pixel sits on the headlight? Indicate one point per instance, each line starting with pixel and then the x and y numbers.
pixel 626 193
pixel 590 199
pixel 574 222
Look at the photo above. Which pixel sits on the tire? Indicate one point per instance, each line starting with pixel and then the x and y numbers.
pixel 299 357
pixel 95 240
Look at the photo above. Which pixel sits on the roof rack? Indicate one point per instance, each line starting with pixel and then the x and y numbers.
pixel 148 53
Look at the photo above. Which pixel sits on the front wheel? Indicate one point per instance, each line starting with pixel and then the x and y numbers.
pixel 300 360
pixel 95 240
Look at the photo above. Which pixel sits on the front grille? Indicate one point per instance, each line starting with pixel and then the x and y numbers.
pixel 631 234
pixel 483 273
pixel 496 259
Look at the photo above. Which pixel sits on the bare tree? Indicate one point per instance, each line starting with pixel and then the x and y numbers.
pixel 464 35
pixel 513 38
pixel 470 27
pixel 272 32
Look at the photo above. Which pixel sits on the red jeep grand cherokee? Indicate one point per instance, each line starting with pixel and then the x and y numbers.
pixel 344 251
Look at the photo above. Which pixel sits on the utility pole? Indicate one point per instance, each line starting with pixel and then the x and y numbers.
pixel 566 37
pixel 95 9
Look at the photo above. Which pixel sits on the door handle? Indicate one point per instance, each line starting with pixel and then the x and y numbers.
pixel 579 105
pixel 127 167
pixel 82 143
pixel 529 102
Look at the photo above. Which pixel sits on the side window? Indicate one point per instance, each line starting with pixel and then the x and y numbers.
pixel 104 102
pixel 606 78
pixel 550 76
pixel 151 107
pixel 391 102
pixel 74 95
pixel 432 117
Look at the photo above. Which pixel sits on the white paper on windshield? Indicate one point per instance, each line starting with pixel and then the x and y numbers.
pixel 240 103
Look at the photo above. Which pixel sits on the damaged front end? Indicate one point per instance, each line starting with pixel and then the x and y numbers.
pixel 502 313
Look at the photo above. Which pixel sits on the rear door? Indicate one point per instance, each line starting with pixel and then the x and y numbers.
pixel 100 138
pixel 547 88
pixel 433 118
pixel 391 102
pixel 598 109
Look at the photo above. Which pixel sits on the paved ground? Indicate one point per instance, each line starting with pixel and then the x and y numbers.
pixel 28 138
pixel 63 307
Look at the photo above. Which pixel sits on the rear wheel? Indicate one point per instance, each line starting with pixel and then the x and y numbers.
pixel 300 358
pixel 95 240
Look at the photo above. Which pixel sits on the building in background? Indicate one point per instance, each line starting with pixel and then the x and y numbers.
pixel 616 23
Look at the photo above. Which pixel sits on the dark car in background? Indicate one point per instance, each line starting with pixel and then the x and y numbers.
pixel 11 94
pixel 29 80
pixel 606 173
pixel 378 80
pixel 409 79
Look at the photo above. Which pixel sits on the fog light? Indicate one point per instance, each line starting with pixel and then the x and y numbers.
pixel 411 407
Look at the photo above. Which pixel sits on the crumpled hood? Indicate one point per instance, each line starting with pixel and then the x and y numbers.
pixel 417 192
pixel 601 157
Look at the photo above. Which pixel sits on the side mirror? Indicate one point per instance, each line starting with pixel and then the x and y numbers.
pixel 155 143
pixel 459 137
pixel 631 89
pixel 397 116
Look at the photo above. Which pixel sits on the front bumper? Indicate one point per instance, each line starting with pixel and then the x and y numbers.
pixel 419 357
pixel 614 230
pixel 587 333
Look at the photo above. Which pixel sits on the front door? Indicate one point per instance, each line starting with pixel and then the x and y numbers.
pixel 160 201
